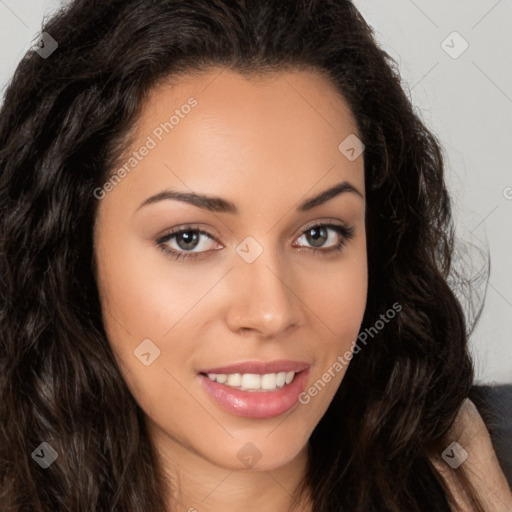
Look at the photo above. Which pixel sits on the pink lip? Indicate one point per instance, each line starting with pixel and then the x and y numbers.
pixel 260 368
pixel 256 404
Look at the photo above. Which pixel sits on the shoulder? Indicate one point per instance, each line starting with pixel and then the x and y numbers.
pixel 469 444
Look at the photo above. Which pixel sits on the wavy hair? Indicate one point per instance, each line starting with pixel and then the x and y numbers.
pixel 64 122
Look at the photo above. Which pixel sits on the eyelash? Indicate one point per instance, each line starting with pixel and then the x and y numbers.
pixel 346 233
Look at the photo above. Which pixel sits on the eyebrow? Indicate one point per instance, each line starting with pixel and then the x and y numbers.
pixel 219 205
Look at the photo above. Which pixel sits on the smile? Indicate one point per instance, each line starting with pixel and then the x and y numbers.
pixel 256 389
pixel 253 381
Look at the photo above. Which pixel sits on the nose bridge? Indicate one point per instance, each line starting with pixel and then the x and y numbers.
pixel 264 300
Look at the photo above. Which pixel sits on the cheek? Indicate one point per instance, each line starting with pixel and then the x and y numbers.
pixel 147 296
pixel 338 298
pixel 339 302
pixel 342 301
pixel 146 312
pixel 337 295
pixel 146 292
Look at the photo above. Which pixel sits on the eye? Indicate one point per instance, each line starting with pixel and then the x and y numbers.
pixel 186 243
pixel 326 238
pixel 191 243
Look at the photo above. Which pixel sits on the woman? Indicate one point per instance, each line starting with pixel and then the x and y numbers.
pixel 225 245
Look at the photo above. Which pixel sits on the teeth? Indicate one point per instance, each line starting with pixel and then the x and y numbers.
pixel 220 378
pixel 234 380
pixel 269 381
pixel 253 381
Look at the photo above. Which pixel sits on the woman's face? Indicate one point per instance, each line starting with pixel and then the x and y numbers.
pixel 262 285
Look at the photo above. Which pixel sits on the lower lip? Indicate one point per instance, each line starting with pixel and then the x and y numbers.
pixel 256 404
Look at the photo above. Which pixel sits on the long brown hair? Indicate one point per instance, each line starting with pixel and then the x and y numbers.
pixel 62 125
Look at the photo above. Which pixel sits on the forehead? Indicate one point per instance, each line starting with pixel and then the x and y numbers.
pixel 221 131
pixel 265 101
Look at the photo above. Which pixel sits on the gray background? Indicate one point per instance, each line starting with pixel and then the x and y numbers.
pixel 464 97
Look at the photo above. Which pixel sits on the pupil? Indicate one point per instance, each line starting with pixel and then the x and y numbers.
pixel 189 238
pixel 318 236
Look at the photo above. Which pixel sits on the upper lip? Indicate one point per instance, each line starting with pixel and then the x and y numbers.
pixel 260 367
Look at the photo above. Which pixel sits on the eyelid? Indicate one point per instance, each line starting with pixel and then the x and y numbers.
pixel 343 231
pixel 323 222
pixel 186 227
pixel 197 227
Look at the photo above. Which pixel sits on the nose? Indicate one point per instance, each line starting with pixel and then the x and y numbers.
pixel 264 299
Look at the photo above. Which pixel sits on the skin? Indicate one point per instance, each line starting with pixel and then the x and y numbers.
pixel 481 465
pixel 265 144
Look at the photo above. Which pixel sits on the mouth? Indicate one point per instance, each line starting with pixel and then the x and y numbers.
pixel 256 390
